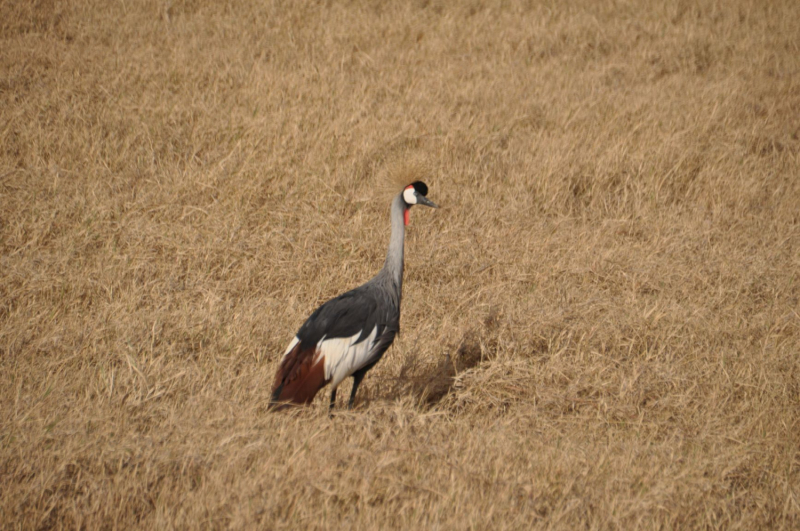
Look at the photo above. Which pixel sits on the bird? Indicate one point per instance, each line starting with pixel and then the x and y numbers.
pixel 347 335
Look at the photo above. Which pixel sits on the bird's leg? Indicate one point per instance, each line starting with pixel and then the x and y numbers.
pixel 357 377
pixel 333 400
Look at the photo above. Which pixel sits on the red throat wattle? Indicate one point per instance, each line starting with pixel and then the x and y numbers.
pixel 405 216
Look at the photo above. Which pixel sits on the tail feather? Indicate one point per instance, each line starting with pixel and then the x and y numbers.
pixel 300 376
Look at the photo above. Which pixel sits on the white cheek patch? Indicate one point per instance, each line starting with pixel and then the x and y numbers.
pixel 409 196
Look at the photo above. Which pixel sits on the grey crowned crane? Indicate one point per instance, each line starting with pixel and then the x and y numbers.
pixel 349 334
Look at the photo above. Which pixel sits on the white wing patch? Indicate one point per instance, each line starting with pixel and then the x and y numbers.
pixel 343 356
pixel 294 342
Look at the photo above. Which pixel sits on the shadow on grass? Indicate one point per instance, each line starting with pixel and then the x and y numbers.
pixel 430 384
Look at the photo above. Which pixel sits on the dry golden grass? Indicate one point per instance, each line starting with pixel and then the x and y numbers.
pixel 600 326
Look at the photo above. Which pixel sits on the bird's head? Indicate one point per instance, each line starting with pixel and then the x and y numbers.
pixel 400 169
pixel 414 194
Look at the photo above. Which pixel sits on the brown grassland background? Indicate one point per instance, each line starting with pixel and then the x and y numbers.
pixel 600 325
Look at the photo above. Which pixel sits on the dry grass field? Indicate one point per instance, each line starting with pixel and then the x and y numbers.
pixel 601 325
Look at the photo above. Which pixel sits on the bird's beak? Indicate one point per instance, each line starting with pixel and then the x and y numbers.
pixel 422 200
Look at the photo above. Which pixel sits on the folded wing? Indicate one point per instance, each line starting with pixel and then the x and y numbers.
pixel 342 336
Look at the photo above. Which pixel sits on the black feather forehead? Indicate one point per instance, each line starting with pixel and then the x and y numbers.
pixel 420 187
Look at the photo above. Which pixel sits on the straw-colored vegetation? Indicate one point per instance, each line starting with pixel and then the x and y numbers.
pixel 600 325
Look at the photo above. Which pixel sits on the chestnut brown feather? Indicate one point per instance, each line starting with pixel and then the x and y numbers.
pixel 300 376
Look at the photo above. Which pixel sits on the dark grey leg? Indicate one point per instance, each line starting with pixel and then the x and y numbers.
pixel 333 399
pixel 357 377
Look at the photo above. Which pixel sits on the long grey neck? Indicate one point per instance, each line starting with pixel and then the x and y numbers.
pixel 393 267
